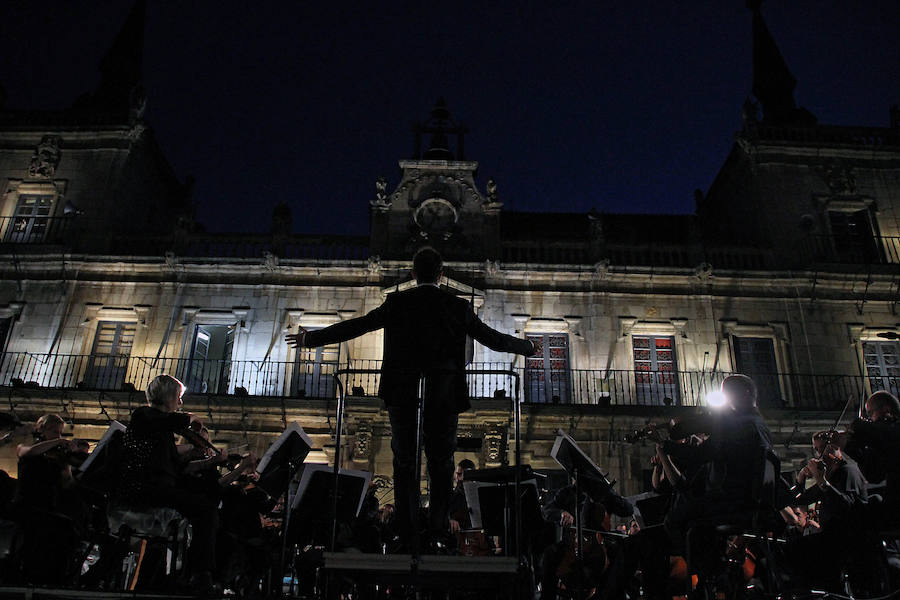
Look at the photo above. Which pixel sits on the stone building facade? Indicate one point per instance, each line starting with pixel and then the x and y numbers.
pixel 788 271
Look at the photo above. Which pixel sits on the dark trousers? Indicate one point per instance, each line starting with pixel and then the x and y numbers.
pixel 439 441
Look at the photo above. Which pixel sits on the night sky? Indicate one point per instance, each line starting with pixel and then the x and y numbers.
pixel 625 106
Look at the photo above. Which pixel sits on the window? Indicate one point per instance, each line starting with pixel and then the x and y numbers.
pixel 5 328
pixel 547 372
pixel 209 363
pixel 655 369
pixel 852 237
pixel 314 370
pixel 31 219
pixel 755 358
pixel 108 361
pixel 882 365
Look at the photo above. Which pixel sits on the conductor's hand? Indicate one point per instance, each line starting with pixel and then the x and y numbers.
pixel 566 519
pixel 296 340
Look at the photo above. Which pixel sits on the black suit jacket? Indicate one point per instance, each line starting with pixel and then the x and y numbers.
pixel 425 331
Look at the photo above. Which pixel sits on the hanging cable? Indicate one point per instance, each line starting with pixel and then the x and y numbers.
pixel 102 407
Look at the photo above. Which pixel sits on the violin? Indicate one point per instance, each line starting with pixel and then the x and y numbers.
pixel 73 454
pixel 678 429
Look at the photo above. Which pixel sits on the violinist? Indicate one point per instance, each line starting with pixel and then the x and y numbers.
pixel 44 470
pixel 839 485
pixel 603 559
pixel 730 456
pixel 875 444
pixel 150 473
pixel 840 490
pixel 47 503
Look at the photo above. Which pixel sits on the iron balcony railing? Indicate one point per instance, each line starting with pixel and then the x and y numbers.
pixel 307 379
pixel 35 229
pixel 850 250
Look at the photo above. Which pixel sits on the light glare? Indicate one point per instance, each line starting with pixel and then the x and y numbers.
pixel 715 399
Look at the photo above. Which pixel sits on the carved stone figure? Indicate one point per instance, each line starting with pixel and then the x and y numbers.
pixel 381 200
pixel 46 157
pixel 491 190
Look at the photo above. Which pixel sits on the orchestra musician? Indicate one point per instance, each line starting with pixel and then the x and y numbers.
pixel 839 488
pixel 47 503
pixel 603 560
pixel 875 444
pixel 738 437
pixel 425 331
pixel 150 470
pixel 460 514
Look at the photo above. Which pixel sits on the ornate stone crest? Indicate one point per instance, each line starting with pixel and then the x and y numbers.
pixel 362 445
pixel 46 157
pixel 839 178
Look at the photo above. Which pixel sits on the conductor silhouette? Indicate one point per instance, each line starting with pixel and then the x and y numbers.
pixel 425 330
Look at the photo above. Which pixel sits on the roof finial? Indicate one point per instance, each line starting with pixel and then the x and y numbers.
pixel 773 82
pixel 121 67
pixel 439 126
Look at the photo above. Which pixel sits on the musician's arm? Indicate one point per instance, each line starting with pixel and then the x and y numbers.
pixel 40 447
pixel 554 509
pixel 618 505
pixel 673 475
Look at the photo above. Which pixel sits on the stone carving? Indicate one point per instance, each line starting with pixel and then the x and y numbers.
pixel 703 271
pixel 494 446
pixel 373 264
pixel 137 104
pixel 46 157
pixel 601 269
pixel 382 200
pixel 137 131
pixel 492 204
pixel 491 267
pixel 270 261
pixel 839 178
pixel 362 445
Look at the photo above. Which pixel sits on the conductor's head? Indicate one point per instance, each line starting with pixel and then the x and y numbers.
pixel 427 265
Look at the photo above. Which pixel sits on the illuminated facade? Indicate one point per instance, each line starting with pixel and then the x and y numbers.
pixel 788 272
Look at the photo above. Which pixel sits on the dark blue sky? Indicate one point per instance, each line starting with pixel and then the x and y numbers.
pixel 626 106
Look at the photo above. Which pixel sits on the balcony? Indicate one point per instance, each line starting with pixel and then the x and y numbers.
pixel 35 229
pixel 850 250
pixel 486 381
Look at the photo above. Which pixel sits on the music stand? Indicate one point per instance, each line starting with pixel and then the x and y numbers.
pixel 277 468
pixel 314 493
pixel 99 455
pixel 491 497
pixel 280 462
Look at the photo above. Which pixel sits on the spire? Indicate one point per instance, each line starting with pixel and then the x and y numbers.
pixel 439 126
pixel 121 67
pixel 773 82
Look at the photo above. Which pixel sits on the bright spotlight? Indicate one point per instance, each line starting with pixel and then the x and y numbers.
pixel 715 399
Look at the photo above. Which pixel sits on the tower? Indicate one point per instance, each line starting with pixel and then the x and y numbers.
pixel 436 202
